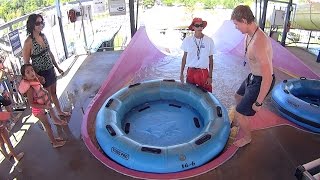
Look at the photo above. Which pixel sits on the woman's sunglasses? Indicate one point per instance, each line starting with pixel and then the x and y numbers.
pixel 198 25
pixel 38 23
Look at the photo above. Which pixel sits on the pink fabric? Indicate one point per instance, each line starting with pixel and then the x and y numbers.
pixel 4 116
pixel 37 111
pixel 227 37
pixel 139 52
pixel 266 119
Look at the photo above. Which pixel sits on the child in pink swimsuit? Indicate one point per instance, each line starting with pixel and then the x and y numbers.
pixel 40 95
pixel 39 101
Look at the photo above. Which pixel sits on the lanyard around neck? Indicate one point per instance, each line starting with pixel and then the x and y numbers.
pixel 198 46
pixel 247 45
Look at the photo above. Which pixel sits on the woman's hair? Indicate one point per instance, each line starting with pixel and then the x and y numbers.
pixel 32 19
pixel 242 12
pixel 23 69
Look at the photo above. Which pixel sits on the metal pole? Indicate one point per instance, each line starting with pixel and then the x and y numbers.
pixel 264 14
pixel 136 27
pixel 260 12
pixel 61 29
pixel 132 21
pixel 287 19
pixel 309 39
pixel 84 30
pixel 256 10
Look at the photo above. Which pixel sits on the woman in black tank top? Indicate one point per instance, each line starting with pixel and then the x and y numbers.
pixel 36 48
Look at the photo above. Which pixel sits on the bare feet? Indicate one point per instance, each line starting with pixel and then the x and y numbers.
pixel 235 123
pixel 58 144
pixel 59 122
pixel 6 155
pixel 242 141
pixel 59 139
pixel 232 114
pixel 10 155
pixel 64 114
pixel 15 118
pixel 19 156
pixel 234 132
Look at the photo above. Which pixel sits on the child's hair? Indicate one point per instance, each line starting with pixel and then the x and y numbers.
pixel 23 69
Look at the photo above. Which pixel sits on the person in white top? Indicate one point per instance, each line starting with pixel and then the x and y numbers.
pixel 258 53
pixel 198 56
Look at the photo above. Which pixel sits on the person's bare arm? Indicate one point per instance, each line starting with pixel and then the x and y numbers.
pixel 183 64
pixel 210 65
pixel 26 51
pixel 53 59
pixel 262 57
pixel 55 63
pixel 209 80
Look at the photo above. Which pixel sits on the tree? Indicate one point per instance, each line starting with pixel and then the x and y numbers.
pixel 189 3
pixel 12 9
pixel 208 4
pixel 147 3
pixel 168 2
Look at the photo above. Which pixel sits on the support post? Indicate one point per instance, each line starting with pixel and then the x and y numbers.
pixel 136 27
pixel 286 22
pixel 83 28
pixel 309 39
pixel 318 58
pixel 132 21
pixel 260 9
pixel 264 15
pixel 61 29
pixel 256 10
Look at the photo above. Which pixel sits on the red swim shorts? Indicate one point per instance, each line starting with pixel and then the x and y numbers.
pixel 199 77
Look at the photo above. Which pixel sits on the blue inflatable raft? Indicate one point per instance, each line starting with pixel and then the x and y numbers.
pixel 162 126
pixel 298 100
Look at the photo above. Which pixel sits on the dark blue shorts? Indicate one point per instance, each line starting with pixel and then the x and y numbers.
pixel 50 77
pixel 250 89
